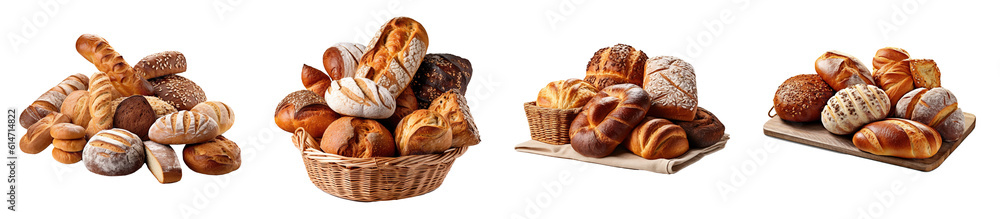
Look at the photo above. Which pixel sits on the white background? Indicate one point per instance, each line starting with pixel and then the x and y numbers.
pixel 249 55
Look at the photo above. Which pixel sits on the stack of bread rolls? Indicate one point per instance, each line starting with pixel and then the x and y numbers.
pixel 388 99
pixel 646 105
pixel 848 98
pixel 104 119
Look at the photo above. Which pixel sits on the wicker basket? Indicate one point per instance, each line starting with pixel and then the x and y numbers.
pixel 373 179
pixel 549 125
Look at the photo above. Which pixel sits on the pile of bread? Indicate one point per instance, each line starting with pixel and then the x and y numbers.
pixel 899 110
pixel 385 100
pixel 125 116
pixel 648 106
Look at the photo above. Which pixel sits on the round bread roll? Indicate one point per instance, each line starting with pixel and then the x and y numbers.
pixel 38 137
pixel 801 98
pixel 75 106
pixel 705 130
pixel 218 111
pixel 358 137
pixel 67 131
pixel 67 157
pixel 215 157
pixel 616 65
pixel 135 115
pixel 423 132
pixel 183 127
pixel 455 109
pixel 69 145
pixel 841 70
pixel 180 92
pixel 406 103
pixel 937 108
pixel 304 109
pixel 114 152
pixel 566 94
pixel 672 88
pixel 438 73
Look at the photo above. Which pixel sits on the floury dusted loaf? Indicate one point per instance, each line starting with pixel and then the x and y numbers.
pixel 114 152
pixel 341 60
pixel 183 127
pixel 360 97
pixel 394 54
pixel 937 108
pixel 854 107
pixel 670 82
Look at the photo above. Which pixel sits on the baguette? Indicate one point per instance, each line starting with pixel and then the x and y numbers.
pixel 52 100
pixel 121 75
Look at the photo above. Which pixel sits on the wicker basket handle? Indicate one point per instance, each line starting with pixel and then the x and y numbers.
pixel 302 140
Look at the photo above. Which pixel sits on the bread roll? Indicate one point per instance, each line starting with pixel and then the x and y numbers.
pixel 161 64
pixel 670 82
pixel 66 157
pixel 886 56
pixel 360 97
pixel 218 111
pixel 38 136
pixel 304 109
pixel 455 109
pixel 102 93
pixel 423 132
pixel 705 130
pixel 135 115
pixel 162 161
pixel 52 100
pixel 358 137
pixel 937 108
pixel 925 73
pixel 215 157
pixel 898 138
pixel 439 73
pixel 77 108
pixel 406 103
pixel 841 70
pixel 615 65
pixel 183 127
pixel 608 119
pixel 394 54
pixel 67 131
pixel 315 80
pixel 657 138
pixel 341 60
pixel 69 145
pixel 566 94
pixel 180 92
pixel 121 75
pixel 854 107
pixel 801 98
pixel 114 152
pixel 895 79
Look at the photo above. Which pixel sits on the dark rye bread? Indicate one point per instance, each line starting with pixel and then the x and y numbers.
pixel 135 115
pixel 801 98
pixel 439 73
pixel 180 92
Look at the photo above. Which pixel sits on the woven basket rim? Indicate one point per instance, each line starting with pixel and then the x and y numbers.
pixel 300 138
pixel 533 105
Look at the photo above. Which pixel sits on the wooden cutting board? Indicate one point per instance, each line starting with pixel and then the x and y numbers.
pixel 814 134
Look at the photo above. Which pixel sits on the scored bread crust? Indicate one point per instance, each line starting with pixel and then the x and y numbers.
pixel 341 60
pixel 393 56
pixel 841 70
pixel 183 127
pixel 114 152
pixel 671 84
pixel 360 97
pixel 854 107
pixel 899 138
pixel 615 65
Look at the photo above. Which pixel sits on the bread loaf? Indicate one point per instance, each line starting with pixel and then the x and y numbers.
pixel 360 97
pixel 801 98
pixel 358 137
pixel 888 55
pixel 160 107
pixel 341 60
pixel 66 157
pixel 183 127
pixel 566 94
pixel 423 132
pixel 215 157
pixel 67 131
pixel 670 82
pixel 161 64
pixel 114 152
pixel 439 73
pixel 854 107
pixel 52 100
pixel 455 110
pixel 406 103
pixel 394 54
pixel 608 119
pixel 38 136
pixel 69 145
pixel 135 115
pixel 935 107
pixel 925 73
pixel 705 130
pixel 615 65
pixel 162 161
pixel 304 109
pixel 77 108
pixel 102 93
pixel 895 79
pixel 841 70
pixel 180 92
pixel 218 111
pixel 898 138
pixel 315 80
pixel 657 138
pixel 122 76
